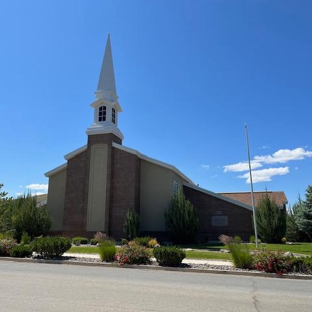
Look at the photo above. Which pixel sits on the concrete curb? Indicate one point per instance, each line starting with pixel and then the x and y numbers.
pixel 147 267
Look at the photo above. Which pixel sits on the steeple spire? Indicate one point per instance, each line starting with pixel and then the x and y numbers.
pixel 106 106
pixel 107 86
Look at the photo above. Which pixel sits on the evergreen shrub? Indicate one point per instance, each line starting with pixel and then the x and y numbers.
pixel 21 251
pixel 80 241
pixel 271 221
pixel 181 219
pixel 132 224
pixel 49 247
pixel 94 241
pixel 169 255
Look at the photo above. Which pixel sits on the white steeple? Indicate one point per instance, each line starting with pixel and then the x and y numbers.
pixel 106 106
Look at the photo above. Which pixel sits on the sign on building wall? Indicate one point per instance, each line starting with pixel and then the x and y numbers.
pixel 219 220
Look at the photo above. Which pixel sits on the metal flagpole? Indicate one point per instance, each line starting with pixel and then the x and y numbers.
pixel 251 186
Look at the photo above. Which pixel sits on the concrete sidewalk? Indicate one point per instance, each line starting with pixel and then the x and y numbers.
pixel 186 261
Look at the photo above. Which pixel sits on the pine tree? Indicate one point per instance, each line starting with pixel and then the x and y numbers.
pixel 304 216
pixel 271 221
pixel 181 219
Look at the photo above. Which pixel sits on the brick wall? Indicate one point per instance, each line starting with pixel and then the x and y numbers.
pixel 239 218
pixel 74 209
pixel 125 189
pixel 77 186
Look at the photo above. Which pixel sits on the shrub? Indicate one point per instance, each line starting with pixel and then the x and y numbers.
pixel 301 265
pixel 143 241
pixel 21 251
pixel 271 221
pixel 169 256
pixel 26 239
pixel 99 236
pixel 94 241
pixel 152 243
pixel 133 254
pixel 240 255
pixel 226 240
pixel 80 241
pixel 6 245
pixel 237 239
pixel 272 262
pixel 29 218
pixel 107 250
pixel 132 224
pixel 124 241
pixel 49 247
pixel 181 219
pixel 252 240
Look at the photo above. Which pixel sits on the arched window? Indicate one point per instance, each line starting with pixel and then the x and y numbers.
pixel 113 115
pixel 102 113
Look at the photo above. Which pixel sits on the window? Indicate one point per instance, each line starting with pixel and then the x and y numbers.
pixel 102 113
pixel 113 115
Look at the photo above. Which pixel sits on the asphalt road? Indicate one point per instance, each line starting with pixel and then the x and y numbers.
pixel 51 287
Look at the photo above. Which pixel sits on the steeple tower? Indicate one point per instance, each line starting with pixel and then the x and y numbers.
pixel 106 106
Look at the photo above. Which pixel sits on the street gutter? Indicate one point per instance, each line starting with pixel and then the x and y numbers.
pixel 151 267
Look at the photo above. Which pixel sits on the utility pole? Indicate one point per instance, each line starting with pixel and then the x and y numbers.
pixel 251 186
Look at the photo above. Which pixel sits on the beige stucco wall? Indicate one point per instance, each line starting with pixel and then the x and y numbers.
pixel 157 186
pixel 56 199
pixel 96 218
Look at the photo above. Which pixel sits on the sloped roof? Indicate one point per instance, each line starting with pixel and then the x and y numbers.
pixel 41 199
pixel 218 195
pixel 245 197
pixel 126 149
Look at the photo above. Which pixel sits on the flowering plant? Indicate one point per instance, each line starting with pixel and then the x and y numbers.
pixel 272 262
pixel 6 245
pixel 132 254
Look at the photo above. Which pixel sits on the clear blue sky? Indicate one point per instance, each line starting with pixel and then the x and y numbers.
pixel 189 75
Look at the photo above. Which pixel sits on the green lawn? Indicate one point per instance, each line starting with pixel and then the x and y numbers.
pixel 84 249
pixel 299 248
pixel 211 255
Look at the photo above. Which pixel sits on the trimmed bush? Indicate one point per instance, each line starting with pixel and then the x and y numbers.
pixel 169 255
pixel 21 251
pixel 80 241
pixel 107 250
pixel 49 247
pixel 6 245
pixel 240 255
pixel 272 262
pixel 133 254
pixel 94 241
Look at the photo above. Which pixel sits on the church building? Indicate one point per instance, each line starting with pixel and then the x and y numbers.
pixel 101 180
